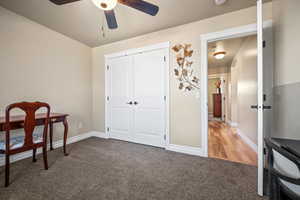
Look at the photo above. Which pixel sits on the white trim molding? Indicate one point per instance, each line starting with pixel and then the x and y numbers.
pixel 56 144
pixel 99 134
pixel 249 142
pixel 221 76
pixel 138 50
pixel 233 124
pixel 196 151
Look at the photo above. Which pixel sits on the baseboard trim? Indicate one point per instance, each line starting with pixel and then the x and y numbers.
pixel 247 140
pixel 233 124
pixel 56 144
pixel 100 134
pixel 196 151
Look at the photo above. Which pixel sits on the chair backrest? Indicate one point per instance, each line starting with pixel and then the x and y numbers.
pixel 30 109
pixel 282 163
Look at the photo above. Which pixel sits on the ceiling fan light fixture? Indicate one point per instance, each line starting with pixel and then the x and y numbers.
pixel 220 55
pixel 108 7
pixel 105 4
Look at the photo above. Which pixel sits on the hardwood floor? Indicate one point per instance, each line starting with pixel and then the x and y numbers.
pixel 225 143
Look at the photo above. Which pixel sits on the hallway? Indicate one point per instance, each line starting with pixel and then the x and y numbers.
pixel 225 143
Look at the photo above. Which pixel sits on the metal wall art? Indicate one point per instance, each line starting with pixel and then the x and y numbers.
pixel 184 71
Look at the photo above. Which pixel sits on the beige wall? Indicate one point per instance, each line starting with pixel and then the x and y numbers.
pixel 287 70
pixel 229 98
pixel 246 65
pixel 233 93
pixel 185 121
pixel 243 89
pixel 38 64
pixel 287 43
pixel 218 70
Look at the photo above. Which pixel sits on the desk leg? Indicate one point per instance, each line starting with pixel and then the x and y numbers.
pixel 65 122
pixel 51 136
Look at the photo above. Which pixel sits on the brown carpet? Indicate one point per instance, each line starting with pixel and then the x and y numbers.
pixel 114 170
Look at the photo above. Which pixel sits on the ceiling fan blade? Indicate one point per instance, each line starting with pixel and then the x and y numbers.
pixel 61 2
pixel 141 6
pixel 111 19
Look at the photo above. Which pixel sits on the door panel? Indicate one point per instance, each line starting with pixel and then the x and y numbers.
pixel 268 75
pixel 149 92
pixel 265 43
pixel 120 92
pixel 260 115
pixel 148 121
pixel 120 120
pixel 265 88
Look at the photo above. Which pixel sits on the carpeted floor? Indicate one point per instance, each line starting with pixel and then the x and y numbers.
pixel 114 170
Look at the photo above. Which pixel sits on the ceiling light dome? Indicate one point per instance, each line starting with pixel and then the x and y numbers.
pixel 219 55
pixel 105 4
pixel 220 2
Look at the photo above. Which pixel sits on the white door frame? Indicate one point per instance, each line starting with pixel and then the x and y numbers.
pixel 211 37
pixel 164 45
pixel 260 99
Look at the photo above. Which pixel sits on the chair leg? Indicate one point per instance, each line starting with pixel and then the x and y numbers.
pixel 277 190
pixel 34 155
pixel 45 158
pixel 6 170
pixel 272 187
pixel 279 193
pixel 270 182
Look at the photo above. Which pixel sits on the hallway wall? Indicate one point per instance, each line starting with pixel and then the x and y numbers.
pixel 244 89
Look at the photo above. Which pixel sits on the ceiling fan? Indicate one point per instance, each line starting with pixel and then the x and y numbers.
pixel 108 7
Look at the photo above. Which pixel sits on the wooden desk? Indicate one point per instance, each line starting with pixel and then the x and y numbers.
pixel 17 122
pixel 293 146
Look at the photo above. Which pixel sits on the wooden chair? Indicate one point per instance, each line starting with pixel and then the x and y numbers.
pixel 284 173
pixel 30 141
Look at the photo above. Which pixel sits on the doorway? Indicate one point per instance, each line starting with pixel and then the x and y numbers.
pixel 232 89
pixel 263 80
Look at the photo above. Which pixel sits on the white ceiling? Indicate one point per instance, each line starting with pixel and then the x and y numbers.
pixel 230 46
pixel 82 20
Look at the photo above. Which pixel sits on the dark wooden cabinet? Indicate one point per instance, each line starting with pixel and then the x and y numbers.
pixel 217 105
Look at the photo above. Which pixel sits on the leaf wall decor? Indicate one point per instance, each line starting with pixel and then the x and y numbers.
pixel 183 71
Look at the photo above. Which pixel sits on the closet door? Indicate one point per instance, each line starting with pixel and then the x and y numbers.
pixel 119 85
pixel 148 94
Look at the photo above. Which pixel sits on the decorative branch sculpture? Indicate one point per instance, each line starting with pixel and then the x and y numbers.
pixel 184 71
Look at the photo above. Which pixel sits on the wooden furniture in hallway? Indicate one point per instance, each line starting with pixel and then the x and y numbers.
pixel 217 104
pixel 225 143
